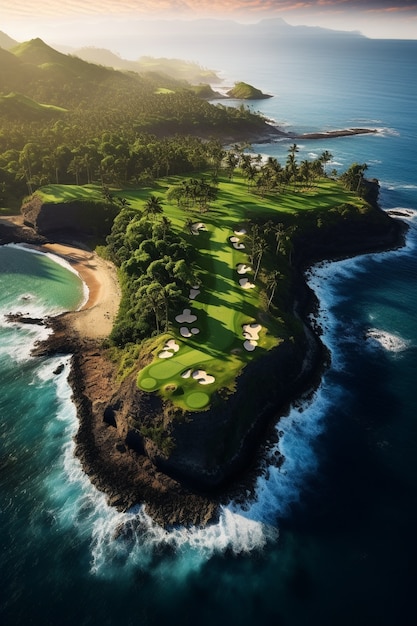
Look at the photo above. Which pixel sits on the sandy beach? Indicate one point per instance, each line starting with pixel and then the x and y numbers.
pixel 95 319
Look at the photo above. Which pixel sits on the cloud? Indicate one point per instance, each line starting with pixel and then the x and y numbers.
pixel 193 8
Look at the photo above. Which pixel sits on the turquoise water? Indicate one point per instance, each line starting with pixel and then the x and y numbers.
pixel 330 537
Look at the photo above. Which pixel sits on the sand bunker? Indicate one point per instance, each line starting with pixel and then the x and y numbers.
pixel 202 377
pixel 242 231
pixel 186 317
pixel 235 242
pixel 242 268
pixel 196 227
pixel 245 283
pixel 252 331
pixel 251 334
pixel 193 293
pixel 186 332
pixel 169 349
pixel 250 345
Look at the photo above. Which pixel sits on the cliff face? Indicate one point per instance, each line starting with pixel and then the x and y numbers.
pixel 212 446
pixel 69 220
pixel 214 452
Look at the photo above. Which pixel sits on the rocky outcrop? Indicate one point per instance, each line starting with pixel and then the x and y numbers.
pixel 69 221
pixel 215 453
pixel 243 91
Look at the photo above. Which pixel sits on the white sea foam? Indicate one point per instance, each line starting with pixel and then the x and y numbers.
pixel 386 340
pixel 123 543
pixel 60 261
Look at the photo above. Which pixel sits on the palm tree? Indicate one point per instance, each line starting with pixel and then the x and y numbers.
pixel 232 161
pixel 325 158
pixel 153 206
pixel 189 225
pixel 293 149
pixel 165 225
pixel 279 230
pixel 260 249
pixel 272 283
pixel 362 169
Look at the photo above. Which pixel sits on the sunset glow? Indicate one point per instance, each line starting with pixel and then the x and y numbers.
pixel 374 18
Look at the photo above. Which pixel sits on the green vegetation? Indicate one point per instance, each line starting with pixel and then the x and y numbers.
pixel 64 120
pixel 172 244
pixel 204 238
pixel 17 106
pixel 243 91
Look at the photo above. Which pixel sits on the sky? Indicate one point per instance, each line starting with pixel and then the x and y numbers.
pixel 75 19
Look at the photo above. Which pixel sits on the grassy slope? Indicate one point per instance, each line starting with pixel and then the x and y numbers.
pixel 222 305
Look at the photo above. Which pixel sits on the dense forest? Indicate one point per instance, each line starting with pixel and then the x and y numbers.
pixel 65 120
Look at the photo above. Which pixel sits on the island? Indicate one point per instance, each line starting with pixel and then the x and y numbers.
pixel 244 91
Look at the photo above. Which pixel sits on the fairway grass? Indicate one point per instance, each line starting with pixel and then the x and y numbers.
pixel 221 304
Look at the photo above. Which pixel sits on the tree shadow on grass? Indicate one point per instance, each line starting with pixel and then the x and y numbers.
pixel 214 336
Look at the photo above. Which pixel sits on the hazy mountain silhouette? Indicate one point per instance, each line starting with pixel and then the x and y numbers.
pixel 7 42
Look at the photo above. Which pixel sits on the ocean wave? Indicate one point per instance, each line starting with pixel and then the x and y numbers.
pixel 122 544
pixel 387 132
pixel 57 259
pixel 386 340
pixel 17 341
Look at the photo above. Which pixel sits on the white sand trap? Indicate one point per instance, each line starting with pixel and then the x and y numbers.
pixel 170 348
pixel 250 345
pixel 235 243
pixel 186 374
pixel 242 231
pixel 242 268
pixel 186 317
pixel 171 345
pixel 196 227
pixel 203 378
pixel 193 293
pixel 186 332
pixel 165 354
pixel 252 331
pixel 245 283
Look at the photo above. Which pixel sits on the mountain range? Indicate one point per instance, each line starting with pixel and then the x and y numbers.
pixel 202 40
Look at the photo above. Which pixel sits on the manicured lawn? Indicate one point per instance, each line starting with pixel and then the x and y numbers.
pixel 70 193
pixel 223 306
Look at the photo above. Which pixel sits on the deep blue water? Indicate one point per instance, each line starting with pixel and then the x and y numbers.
pixel 330 537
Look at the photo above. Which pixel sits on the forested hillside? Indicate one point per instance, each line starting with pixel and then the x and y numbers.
pixel 65 120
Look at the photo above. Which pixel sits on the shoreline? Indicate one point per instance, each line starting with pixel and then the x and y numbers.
pixel 94 321
pixel 127 477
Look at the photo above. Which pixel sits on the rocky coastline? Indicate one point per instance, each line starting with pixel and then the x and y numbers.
pixel 186 489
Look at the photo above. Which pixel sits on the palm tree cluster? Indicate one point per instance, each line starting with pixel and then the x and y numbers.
pixel 353 178
pixel 110 159
pixel 193 193
pixel 269 175
pixel 156 270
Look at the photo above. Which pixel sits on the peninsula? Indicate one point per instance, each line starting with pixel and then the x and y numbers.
pixel 196 335
pixel 160 423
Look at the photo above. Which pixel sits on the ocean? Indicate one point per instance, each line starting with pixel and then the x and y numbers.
pixel 330 537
